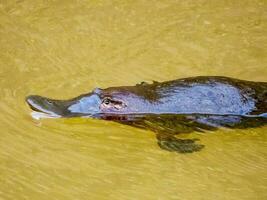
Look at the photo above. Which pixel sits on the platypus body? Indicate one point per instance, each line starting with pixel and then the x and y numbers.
pixel 168 108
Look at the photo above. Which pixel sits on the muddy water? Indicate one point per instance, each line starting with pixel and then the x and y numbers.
pixel 61 49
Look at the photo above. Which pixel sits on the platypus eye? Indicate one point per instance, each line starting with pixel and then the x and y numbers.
pixel 106 101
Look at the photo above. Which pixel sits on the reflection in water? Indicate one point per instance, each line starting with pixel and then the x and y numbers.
pixel 169 126
pixel 62 49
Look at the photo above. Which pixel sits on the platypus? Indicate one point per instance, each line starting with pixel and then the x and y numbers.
pixel 168 108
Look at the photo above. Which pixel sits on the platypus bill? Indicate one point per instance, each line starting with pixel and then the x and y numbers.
pixel 169 108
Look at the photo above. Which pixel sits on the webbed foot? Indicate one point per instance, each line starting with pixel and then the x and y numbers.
pixel 171 143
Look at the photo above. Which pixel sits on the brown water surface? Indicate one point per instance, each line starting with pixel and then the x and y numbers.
pixel 61 49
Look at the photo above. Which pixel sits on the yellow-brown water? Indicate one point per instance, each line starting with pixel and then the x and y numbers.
pixel 61 49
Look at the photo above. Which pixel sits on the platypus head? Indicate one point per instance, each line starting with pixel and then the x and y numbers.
pixel 117 100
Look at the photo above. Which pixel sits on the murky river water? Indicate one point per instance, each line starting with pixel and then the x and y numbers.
pixel 61 49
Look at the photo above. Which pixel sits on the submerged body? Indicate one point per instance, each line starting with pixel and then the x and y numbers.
pixel 208 102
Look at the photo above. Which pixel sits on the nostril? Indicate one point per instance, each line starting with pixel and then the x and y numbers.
pixel 49 102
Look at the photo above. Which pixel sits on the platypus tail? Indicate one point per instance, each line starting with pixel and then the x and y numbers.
pixel 261 99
